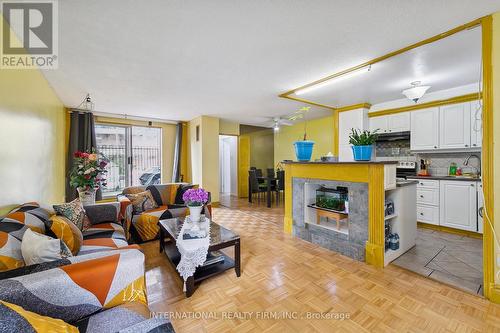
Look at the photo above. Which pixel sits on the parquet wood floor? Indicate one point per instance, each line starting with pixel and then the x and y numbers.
pixel 286 276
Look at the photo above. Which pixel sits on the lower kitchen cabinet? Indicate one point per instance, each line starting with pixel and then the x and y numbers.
pixel 458 204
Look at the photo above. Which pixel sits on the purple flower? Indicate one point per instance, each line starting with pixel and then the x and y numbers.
pixel 195 197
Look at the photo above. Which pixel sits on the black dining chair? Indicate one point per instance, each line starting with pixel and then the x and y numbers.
pixel 258 172
pixel 280 185
pixel 270 173
pixel 255 187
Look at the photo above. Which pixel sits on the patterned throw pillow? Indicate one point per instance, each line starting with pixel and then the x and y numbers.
pixel 15 319
pixel 37 248
pixel 164 194
pixel 11 234
pixel 142 201
pixel 31 215
pixel 74 212
pixel 66 231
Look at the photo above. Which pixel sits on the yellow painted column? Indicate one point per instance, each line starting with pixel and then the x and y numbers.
pixel 376 198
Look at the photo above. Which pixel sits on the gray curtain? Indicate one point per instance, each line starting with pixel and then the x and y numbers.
pixel 81 138
pixel 176 173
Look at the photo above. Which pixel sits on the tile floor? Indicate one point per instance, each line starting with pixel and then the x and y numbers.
pixel 448 258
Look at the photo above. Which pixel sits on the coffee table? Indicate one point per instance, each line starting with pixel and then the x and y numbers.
pixel 220 238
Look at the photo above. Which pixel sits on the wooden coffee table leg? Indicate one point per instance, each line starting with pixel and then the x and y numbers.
pixel 237 260
pixel 162 240
pixel 190 286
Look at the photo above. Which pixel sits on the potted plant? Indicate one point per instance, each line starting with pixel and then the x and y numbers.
pixel 87 175
pixel 304 147
pixel 195 199
pixel 362 144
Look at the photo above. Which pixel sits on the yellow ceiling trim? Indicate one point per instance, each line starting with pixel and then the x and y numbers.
pixel 452 100
pixel 445 34
pixel 354 107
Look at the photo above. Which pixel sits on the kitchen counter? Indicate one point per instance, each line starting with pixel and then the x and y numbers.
pixel 402 183
pixel 468 179
pixel 346 162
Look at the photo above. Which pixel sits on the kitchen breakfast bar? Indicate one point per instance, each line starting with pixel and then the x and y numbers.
pixel 351 208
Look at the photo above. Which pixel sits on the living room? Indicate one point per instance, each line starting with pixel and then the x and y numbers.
pixel 120 122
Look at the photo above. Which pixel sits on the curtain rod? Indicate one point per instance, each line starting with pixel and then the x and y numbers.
pixel 124 116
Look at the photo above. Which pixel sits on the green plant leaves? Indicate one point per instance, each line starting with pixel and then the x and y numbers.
pixel 362 138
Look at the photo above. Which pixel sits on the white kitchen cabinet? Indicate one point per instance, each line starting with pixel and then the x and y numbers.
pixel 399 122
pixel 428 214
pixel 357 119
pixel 476 124
pixel 480 209
pixel 379 123
pixel 458 205
pixel 454 126
pixel 424 129
pixel 389 176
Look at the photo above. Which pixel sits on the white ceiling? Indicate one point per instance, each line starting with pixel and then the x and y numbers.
pixel 447 63
pixel 181 59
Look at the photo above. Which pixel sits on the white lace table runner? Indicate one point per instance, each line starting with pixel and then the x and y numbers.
pixel 193 251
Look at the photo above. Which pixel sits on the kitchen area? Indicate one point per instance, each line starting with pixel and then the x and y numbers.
pixel 440 149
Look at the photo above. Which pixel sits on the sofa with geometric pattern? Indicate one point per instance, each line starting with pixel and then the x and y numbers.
pixel 100 289
pixel 168 198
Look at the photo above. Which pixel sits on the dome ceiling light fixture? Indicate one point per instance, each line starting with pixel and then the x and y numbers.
pixel 416 91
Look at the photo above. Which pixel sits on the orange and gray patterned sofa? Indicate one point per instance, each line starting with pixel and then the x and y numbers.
pixel 101 288
pixel 168 198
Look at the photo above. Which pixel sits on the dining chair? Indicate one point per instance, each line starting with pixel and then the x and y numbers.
pixel 270 172
pixel 255 187
pixel 280 185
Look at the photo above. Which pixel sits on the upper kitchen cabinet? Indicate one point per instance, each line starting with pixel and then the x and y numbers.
pixel 454 126
pixel 399 122
pixel 476 124
pixel 425 129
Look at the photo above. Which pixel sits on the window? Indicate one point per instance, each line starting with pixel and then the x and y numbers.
pixel 134 155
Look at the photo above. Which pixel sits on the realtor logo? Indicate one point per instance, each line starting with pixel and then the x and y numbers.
pixel 29 35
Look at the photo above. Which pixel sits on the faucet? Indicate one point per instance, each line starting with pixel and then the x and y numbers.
pixel 466 163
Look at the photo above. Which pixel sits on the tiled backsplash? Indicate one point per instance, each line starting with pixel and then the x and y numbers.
pixel 396 149
pixel 440 163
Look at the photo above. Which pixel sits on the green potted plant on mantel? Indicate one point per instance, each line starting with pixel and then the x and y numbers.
pixel 304 147
pixel 362 143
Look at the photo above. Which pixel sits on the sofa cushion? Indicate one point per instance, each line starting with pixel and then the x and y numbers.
pixel 37 248
pixel 146 224
pixel 103 213
pixel 164 194
pixel 31 215
pixel 66 231
pixel 74 212
pixel 101 244
pixel 14 318
pixel 180 192
pixel 142 201
pixel 115 319
pixel 11 235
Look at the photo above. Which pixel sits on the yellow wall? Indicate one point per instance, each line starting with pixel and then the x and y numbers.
pixel 319 130
pixel 496 133
pixel 228 128
pixel 262 149
pixel 204 154
pixel 168 141
pixel 32 140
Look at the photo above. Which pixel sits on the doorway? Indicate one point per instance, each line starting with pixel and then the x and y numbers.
pixel 228 167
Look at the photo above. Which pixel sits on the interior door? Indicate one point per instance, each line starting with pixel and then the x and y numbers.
pixel 243 165
pixel 458 205
pixel 454 126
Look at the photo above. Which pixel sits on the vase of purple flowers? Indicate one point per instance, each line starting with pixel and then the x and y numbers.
pixel 195 199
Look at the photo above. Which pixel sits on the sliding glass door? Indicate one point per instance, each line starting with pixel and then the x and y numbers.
pixel 134 153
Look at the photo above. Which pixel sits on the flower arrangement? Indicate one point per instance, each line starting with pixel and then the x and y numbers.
pixel 301 114
pixel 88 171
pixel 195 197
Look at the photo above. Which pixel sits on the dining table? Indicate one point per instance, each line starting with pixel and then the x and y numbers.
pixel 270 182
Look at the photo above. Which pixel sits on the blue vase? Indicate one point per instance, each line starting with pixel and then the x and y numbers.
pixel 303 150
pixel 362 153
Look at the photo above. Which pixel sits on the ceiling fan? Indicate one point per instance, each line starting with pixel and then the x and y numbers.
pixel 277 122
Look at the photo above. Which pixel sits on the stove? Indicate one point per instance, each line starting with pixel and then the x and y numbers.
pixel 405 169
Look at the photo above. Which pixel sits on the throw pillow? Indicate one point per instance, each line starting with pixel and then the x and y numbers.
pixel 180 192
pixel 16 319
pixel 37 248
pixel 31 215
pixel 74 212
pixel 66 231
pixel 11 234
pixel 164 194
pixel 142 202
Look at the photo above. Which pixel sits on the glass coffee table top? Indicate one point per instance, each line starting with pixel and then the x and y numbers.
pixel 218 234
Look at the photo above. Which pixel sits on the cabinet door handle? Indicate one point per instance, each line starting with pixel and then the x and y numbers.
pixel 466 145
pixel 421 196
pixel 471 184
pixel 422 184
pixel 474 145
pixel 422 214
pixel 435 147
